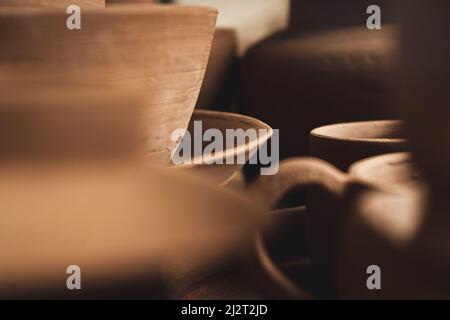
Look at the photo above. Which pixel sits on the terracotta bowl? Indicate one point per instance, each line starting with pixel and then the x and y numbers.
pixel 159 50
pixel 223 173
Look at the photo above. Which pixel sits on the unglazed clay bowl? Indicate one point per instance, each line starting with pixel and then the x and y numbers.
pixel 209 166
pixel 161 51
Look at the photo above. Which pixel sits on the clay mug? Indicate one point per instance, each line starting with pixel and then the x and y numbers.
pixel 341 145
pixel 389 249
pixel 325 217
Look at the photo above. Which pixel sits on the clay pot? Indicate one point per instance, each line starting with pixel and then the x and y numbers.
pixel 345 143
pixel 214 167
pixel 161 51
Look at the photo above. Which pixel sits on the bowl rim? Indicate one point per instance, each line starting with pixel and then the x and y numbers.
pixel 235 151
pixel 320 134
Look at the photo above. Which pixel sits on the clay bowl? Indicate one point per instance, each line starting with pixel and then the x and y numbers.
pixel 209 167
pixel 345 143
pixel 55 3
pixel 159 50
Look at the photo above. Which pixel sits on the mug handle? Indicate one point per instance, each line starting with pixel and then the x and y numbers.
pixel 299 172
pixel 268 190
